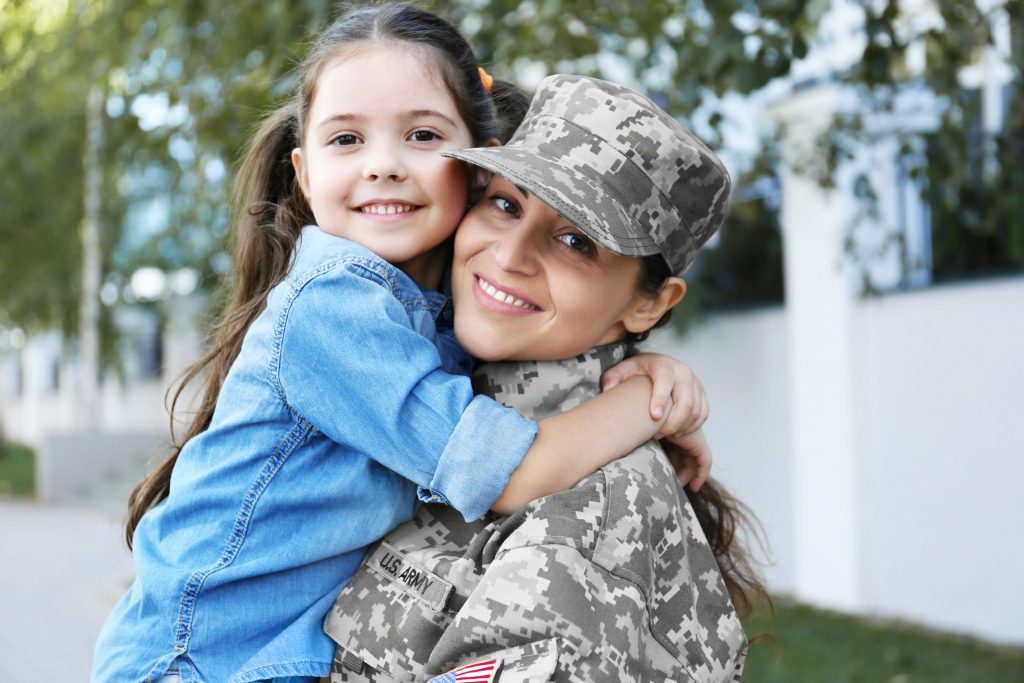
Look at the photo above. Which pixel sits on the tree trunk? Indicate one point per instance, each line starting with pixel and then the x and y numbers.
pixel 89 309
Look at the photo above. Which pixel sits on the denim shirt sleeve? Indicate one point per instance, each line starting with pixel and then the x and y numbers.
pixel 350 363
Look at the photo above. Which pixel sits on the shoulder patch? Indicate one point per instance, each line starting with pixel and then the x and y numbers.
pixel 477 672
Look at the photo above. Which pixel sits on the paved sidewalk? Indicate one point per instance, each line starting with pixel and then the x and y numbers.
pixel 61 569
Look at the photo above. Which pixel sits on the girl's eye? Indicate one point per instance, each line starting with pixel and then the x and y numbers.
pixel 424 136
pixel 345 139
pixel 577 243
pixel 506 206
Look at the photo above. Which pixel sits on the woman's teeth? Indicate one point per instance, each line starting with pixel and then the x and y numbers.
pixel 386 209
pixel 503 297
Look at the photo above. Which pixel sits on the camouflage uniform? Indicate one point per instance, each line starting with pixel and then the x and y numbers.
pixel 612 580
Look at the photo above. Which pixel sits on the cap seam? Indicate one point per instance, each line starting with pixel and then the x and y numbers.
pixel 685 220
pixel 601 186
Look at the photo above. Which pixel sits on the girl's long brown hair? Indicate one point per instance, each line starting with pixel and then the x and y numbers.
pixel 268 210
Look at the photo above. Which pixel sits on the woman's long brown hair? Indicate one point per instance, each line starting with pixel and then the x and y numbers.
pixel 727 523
pixel 268 210
pixel 722 517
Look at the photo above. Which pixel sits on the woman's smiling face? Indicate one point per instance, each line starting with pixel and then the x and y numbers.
pixel 529 285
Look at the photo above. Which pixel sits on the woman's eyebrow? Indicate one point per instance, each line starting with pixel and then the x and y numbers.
pixel 522 191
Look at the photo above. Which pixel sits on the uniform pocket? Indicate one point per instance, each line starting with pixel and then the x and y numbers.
pixel 388 618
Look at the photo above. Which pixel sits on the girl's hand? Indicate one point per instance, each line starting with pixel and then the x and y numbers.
pixel 676 390
pixel 690 457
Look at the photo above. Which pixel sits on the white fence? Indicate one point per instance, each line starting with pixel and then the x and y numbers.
pixel 938 446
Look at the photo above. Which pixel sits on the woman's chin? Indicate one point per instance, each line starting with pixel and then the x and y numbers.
pixel 490 342
pixel 481 347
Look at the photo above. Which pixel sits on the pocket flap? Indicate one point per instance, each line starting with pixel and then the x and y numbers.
pixel 391 614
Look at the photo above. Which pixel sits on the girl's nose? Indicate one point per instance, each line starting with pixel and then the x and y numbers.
pixel 383 163
pixel 516 251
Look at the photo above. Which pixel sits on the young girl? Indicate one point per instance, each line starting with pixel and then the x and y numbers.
pixel 326 404
pixel 598 204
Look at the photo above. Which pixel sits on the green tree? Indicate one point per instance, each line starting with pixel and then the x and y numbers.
pixel 968 172
pixel 181 82
pixel 185 82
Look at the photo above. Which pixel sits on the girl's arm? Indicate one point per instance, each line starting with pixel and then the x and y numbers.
pixel 347 362
pixel 594 433
pixel 679 392
pixel 628 413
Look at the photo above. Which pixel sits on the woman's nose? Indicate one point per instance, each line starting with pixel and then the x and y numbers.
pixel 516 251
pixel 383 162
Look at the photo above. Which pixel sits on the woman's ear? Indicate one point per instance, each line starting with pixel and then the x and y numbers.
pixel 493 142
pixel 647 310
pixel 300 172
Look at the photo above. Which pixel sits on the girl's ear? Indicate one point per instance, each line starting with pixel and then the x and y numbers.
pixel 300 172
pixel 647 311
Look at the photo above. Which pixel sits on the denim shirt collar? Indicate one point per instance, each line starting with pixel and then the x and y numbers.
pixel 312 238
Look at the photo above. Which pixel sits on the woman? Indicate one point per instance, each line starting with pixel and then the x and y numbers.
pixel 598 204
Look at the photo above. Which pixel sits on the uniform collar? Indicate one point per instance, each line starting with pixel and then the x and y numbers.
pixel 540 389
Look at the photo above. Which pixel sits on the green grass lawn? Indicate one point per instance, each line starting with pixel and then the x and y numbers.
pixel 817 646
pixel 17 470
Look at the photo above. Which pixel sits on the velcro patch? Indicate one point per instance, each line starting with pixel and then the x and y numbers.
pixel 409 576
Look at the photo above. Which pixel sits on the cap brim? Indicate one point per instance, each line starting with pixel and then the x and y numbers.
pixel 572 194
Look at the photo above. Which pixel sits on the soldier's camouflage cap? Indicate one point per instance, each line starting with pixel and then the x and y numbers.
pixel 616 165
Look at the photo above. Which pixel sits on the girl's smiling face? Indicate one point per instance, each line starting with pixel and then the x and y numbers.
pixel 529 285
pixel 369 164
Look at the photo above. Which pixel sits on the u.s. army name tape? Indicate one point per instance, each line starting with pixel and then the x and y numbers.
pixel 410 577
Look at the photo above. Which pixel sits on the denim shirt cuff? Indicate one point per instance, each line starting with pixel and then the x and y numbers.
pixel 488 443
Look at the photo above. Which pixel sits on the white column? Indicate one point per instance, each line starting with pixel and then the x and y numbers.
pixel 819 308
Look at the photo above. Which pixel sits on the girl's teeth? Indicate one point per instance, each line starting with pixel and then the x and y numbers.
pixel 387 209
pixel 501 296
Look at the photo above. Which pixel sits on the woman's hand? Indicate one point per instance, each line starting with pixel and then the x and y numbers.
pixel 678 390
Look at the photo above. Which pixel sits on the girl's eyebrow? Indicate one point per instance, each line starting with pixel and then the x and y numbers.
pixel 341 117
pixel 418 113
pixel 409 114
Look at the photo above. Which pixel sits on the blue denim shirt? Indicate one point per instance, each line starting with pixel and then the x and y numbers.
pixel 335 411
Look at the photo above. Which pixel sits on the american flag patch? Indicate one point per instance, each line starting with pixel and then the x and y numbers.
pixel 478 672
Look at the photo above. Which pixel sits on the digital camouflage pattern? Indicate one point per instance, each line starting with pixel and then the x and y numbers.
pixel 612 580
pixel 616 165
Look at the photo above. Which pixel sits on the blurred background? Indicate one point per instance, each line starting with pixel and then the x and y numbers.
pixel 859 321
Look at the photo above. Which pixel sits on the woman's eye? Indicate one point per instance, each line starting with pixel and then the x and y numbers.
pixel 345 139
pixel 577 242
pixel 424 136
pixel 505 206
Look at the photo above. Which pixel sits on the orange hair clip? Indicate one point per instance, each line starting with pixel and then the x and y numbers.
pixel 486 80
